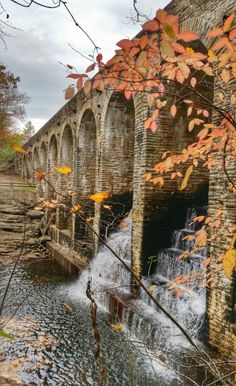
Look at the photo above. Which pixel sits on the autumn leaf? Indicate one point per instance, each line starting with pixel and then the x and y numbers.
pixel 173 110
pixel 228 22
pixel 215 32
pixel 40 175
pixel 125 43
pixel 188 36
pixel 64 170
pixel 19 149
pixel 91 67
pixel 99 197
pixel 169 30
pixel 107 207
pixel 4 334
pixel 117 327
pixel 167 49
pixel 75 208
pixel 229 262
pixel 186 178
pixel 151 25
pixel 70 91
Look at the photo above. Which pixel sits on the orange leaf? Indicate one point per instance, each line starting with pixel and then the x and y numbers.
pixel 128 94
pixel 188 36
pixel 151 25
pixel 232 34
pixel 153 126
pixel 125 43
pixel 99 197
pixel 215 32
pixel 40 175
pixel 221 43
pixel 186 178
pixel 143 41
pixel 228 22
pixel 173 110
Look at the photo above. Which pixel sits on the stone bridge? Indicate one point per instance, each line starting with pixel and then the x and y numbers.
pixel 103 140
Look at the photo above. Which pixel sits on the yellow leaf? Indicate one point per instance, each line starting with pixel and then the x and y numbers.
pixel 75 208
pixel 117 327
pixel 186 177
pixel 167 49
pixel 229 262
pixel 99 197
pixel 18 149
pixel 107 207
pixel 64 170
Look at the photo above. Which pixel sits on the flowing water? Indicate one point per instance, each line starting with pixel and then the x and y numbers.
pixel 54 342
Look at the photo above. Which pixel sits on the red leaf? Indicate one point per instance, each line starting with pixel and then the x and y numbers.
pixel 125 43
pixel 91 67
pixel 79 84
pixel 73 76
pixel 151 25
pixel 188 36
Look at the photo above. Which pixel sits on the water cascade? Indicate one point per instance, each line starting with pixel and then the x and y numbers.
pixel 141 318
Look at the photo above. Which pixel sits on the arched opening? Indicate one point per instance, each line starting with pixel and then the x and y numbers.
pixel 52 163
pixel 118 158
pixel 43 157
pixel 66 181
pixel 86 166
pixel 35 162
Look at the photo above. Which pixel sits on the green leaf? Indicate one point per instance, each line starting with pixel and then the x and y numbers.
pixel 4 334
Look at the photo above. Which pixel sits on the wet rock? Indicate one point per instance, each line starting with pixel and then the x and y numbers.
pixel 12 210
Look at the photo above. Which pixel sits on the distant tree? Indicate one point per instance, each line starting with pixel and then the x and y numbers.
pixel 28 131
pixel 11 100
pixel 11 109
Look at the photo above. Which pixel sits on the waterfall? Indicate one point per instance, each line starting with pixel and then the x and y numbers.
pixel 142 320
pixel 105 270
pixel 185 302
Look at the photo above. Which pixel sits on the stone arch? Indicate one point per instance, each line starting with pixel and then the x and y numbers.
pixel 117 158
pixel 35 159
pixel 43 156
pixel 67 147
pixel 86 153
pixel 66 181
pixel 52 163
pixel 118 145
pixel 86 166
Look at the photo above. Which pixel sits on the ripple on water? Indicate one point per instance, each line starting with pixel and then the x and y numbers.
pixel 53 338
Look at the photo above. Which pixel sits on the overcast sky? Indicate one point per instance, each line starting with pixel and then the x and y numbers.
pixel 35 50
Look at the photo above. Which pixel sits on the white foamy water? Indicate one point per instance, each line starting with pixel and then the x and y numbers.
pixel 105 270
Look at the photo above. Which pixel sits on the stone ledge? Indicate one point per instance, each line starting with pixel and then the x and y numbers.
pixel 70 261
